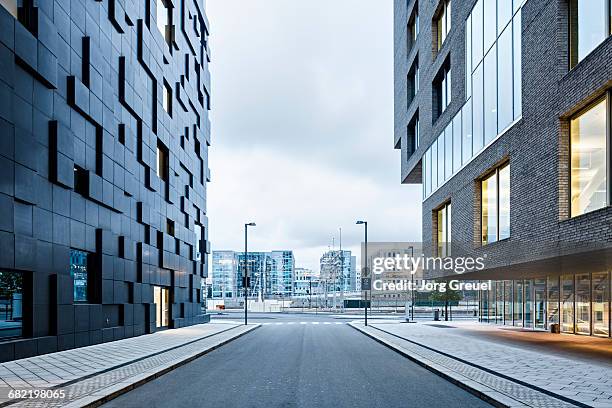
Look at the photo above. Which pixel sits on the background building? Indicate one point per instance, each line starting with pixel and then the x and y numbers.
pixel 338 270
pixel 306 282
pixel 272 273
pixel 513 149
pixel 104 137
pixel 224 274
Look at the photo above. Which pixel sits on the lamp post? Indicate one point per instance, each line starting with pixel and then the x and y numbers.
pixel 366 270
pixel 245 277
pixel 412 287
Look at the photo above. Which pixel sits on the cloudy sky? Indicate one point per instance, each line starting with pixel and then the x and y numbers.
pixel 302 98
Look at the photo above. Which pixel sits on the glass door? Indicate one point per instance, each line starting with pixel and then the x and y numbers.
pixel 583 303
pixel 540 303
pixel 529 303
pixel 601 304
pixel 567 303
pixel 161 297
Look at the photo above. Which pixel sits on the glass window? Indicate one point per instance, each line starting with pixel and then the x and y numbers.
pixel 477 34
pixel 588 160
pixel 198 249
pixel 508 302
pixel 442 89
pixel 567 303
pixel 10 5
pixel 162 162
pixel 441 158
pixel 443 22
pixel 413 81
pixel 516 66
pixel 504 14
pixel 496 206
pixel 11 303
pixel 444 231
pixel 448 152
pixel 413 28
pixel 489 209
pixel 164 20
pixel 504 72
pixel 540 303
pixel 477 114
pixel 457 136
pixel 518 303
pixel 583 303
pixel 528 295
pixel 468 57
pixel 490 95
pixel 587 28
pixel 601 304
pixel 553 299
pixel 167 98
pixel 490 23
pixel 434 165
pixel 428 172
pixel 504 202
pixel 78 272
pixel 466 152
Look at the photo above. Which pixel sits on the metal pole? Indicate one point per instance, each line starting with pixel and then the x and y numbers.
pixel 246 275
pixel 367 272
pixel 412 282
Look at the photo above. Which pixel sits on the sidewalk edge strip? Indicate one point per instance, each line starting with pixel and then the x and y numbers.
pixel 490 371
pixel 88 376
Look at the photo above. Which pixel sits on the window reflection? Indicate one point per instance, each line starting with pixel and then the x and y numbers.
pixel 11 304
pixel 79 273
pixel 588 160
pixel 586 27
pixel 495 206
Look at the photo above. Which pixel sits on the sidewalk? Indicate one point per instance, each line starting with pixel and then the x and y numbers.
pixel 96 373
pixel 535 369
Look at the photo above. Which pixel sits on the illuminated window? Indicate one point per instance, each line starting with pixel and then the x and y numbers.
pixel 495 206
pixel 79 274
pixel 443 22
pixel 588 159
pixel 10 5
pixel 444 231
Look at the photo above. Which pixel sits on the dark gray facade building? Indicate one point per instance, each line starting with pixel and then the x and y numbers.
pixel 503 115
pixel 104 136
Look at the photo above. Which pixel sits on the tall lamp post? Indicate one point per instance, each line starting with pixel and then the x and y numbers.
pixel 412 287
pixel 366 270
pixel 245 277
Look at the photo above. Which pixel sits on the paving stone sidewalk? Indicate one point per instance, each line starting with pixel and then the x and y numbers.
pixel 85 371
pixel 578 380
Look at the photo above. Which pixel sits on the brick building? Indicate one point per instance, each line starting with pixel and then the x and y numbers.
pixel 104 134
pixel 502 114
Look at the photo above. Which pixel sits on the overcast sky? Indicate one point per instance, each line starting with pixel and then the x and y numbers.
pixel 302 127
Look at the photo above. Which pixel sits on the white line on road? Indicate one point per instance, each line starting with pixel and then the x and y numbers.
pixel 315 322
pixel 303 322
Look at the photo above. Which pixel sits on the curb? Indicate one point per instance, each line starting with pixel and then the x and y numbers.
pixel 468 385
pixel 89 403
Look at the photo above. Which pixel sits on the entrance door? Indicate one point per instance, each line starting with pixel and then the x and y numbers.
pixel 161 298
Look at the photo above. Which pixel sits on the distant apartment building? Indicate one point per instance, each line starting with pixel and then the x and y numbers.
pixel 338 271
pixel 271 273
pixel 513 150
pixel 306 282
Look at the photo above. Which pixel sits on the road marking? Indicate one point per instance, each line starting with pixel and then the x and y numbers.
pixel 303 322
pixel 291 323
pixel 278 324
pixel 315 322
pixel 339 323
pixel 327 323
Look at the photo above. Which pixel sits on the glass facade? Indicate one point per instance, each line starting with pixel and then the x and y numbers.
pixel 11 304
pixel 580 303
pixel 588 159
pixel 10 5
pixel 495 205
pixel 492 83
pixel 78 272
pixel 164 20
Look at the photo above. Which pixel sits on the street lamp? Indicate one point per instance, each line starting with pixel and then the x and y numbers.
pixel 245 278
pixel 412 287
pixel 366 270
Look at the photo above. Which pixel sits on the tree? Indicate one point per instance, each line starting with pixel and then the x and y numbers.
pixel 447 297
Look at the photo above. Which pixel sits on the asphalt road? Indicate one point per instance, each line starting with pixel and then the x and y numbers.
pixel 300 361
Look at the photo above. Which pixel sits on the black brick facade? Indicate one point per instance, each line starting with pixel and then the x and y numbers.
pixel 537 146
pixel 81 119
